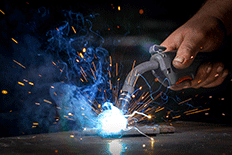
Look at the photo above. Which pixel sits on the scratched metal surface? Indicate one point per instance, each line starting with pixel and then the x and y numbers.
pixel 189 138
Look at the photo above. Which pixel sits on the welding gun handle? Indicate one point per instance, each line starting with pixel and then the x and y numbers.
pixel 168 75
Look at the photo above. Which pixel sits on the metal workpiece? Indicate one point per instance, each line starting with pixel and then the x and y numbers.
pixel 189 138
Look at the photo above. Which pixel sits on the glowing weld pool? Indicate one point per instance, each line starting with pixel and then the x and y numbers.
pixel 111 121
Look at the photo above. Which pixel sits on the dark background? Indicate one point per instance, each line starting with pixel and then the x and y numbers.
pixel 128 39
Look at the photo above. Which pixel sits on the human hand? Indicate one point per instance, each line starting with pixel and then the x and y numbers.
pixel 200 33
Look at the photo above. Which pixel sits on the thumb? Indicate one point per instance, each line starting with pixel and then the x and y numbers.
pixel 186 53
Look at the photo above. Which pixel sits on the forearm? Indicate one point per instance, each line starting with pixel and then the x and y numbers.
pixel 221 9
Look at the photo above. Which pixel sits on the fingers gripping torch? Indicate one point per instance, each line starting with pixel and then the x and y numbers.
pixel 161 66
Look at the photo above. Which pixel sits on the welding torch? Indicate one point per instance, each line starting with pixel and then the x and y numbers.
pixel 162 68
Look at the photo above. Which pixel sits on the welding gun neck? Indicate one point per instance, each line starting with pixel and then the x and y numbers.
pixel 131 79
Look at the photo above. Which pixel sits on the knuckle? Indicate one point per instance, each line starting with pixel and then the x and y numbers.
pixel 219 64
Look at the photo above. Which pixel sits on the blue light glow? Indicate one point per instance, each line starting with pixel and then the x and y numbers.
pixel 111 121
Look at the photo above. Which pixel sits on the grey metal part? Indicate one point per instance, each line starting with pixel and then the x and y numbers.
pixel 149 130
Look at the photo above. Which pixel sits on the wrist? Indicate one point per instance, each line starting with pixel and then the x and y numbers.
pixel 220 10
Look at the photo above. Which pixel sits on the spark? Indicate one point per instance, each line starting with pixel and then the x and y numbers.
pixel 19 63
pixel 47 101
pixel 20 83
pixel 14 40
pixel 176 117
pixel 94 67
pixel 84 50
pixel 70 114
pixel 35 123
pixel 198 111
pixel 2 12
pixel 72 136
pixel 30 83
pixel 185 101
pixel 25 80
pixel 190 111
pixel 110 61
pixel 84 77
pixel 83 71
pixel 73 29
pixel 159 109
pixel 109 74
pixel 116 69
pixel 111 121
pixel 37 103
pixel 141 11
pixel 93 73
pixel 54 63
pixel 4 92
pixel 81 55
pixel 110 84
pixel 136 112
